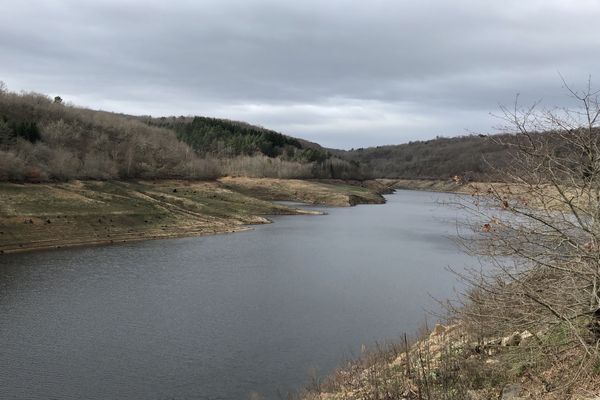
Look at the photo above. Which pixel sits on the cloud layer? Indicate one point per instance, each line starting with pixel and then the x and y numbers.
pixel 343 73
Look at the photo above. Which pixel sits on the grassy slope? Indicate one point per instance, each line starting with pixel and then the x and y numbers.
pixel 35 216
pixel 333 193
pixel 449 363
pixel 427 185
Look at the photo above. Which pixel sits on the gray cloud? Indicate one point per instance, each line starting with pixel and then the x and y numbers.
pixel 343 73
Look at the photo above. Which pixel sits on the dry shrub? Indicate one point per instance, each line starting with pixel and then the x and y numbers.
pixel 266 167
pixel 12 168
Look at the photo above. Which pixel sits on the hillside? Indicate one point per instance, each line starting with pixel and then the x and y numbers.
pixel 225 138
pixel 43 139
pixel 471 156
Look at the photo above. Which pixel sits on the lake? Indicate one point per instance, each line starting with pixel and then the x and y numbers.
pixel 225 316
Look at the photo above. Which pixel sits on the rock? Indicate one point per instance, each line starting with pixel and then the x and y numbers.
pixel 493 342
pixel 511 392
pixel 492 361
pixel 512 340
pixel 526 337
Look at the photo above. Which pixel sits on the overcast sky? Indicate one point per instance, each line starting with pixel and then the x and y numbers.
pixel 341 73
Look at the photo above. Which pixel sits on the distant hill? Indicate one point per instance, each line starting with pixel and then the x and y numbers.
pixel 440 158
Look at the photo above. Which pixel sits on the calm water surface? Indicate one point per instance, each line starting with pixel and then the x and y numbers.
pixel 226 316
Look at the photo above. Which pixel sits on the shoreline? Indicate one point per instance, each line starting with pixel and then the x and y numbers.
pixel 258 199
pixel 38 217
pixel 108 242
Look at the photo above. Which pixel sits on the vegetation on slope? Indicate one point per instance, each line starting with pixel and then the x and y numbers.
pixel 332 193
pixel 74 143
pixel 474 157
pixel 212 136
pixel 43 139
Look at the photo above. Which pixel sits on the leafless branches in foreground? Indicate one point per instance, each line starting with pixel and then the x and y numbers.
pixel 537 232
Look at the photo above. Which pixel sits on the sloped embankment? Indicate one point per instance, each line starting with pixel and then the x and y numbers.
pixel 450 363
pixel 326 192
pixel 39 216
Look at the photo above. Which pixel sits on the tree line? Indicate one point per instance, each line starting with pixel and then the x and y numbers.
pixel 473 157
pixel 44 139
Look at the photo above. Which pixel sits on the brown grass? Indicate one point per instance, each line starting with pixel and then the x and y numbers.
pixel 40 216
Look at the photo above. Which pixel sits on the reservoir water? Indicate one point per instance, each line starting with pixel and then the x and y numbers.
pixel 226 316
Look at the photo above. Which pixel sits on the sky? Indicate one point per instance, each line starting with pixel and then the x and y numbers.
pixel 343 73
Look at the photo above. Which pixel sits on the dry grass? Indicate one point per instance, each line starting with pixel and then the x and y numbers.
pixel 37 216
pixel 331 193
pixel 452 363
pixel 34 216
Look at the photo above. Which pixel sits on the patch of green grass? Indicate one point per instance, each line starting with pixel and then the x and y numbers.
pixel 596 366
pixel 557 336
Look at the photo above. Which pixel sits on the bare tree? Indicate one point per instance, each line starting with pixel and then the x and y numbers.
pixel 539 228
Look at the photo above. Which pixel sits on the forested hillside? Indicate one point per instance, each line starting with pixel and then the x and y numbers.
pixel 474 157
pixel 212 136
pixel 43 139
